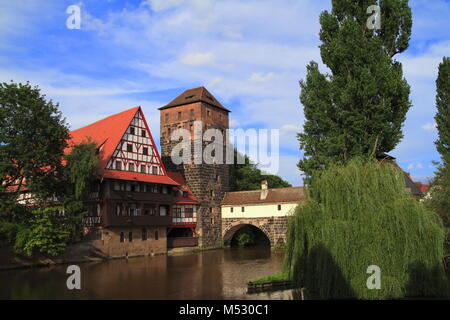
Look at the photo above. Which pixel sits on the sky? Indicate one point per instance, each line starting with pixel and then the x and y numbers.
pixel 249 54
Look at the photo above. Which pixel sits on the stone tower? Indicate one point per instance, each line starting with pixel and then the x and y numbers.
pixel 208 182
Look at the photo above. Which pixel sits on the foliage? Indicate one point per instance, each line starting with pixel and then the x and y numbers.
pixel 439 197
pixel 247 176
pixel 47 233
pixel 360 215
pixel 8 231
pixel 281 276
pixel 32 140
pixel 81 170
pixel 360 107
pixel 244 239
pixel 443 110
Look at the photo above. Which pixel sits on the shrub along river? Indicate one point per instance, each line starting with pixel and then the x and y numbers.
pixel 215 274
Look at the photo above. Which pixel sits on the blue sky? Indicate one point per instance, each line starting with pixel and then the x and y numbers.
pixel 249 54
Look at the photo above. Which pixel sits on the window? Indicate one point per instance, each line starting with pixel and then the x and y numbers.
pixel 132 212
pixel 143 133
pixel 164 189
pixel 143 168
pixel 217 178
pixel 191 127
pixel 220 116
pixel 156 235
pixel 192 112
pixel 208 113
pixel 122 237
pixel 118 209
pixel 131 130
pixel 145 151
pixel 130 236
pixel 167 116
pixel 185 194
pixel 242 209
pixel 144 234
pixel 127 186
pixel 210 210
pixel 231 209
pixel 155 170
pixel 162 211
pixel 189 212
pixel 179 115
pixel 131 167
pixel 177 212
pixel 149 210
pixel 129 147
pixel 211 193
pixel 118 165
pixel 168 132
pixel 155 188
pixel 279 207
pixel 116 185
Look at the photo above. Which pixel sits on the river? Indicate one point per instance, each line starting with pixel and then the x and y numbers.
pixel 214 274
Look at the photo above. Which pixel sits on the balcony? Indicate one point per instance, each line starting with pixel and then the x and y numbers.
pixel 92 221
pixel 112 220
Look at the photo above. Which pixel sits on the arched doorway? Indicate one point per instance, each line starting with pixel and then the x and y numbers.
pixel 245 235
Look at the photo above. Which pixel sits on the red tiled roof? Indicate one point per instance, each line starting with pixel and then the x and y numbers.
pixel 190 199
pixel 107 133
pixel 279 195
pixel 130 176
pixel 195 95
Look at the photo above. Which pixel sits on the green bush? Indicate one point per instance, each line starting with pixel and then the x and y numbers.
pixel 47 233
pixel 244 239
pixel 8 231
pixel 359 215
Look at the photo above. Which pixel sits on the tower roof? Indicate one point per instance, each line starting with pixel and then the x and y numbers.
pixel 195 95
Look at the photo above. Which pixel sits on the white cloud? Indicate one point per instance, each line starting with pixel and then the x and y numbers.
pixel 429 126
pixel 258 77
pixel 290 128
pixel 197 59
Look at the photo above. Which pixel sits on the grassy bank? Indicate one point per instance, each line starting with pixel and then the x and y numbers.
pixel 281 276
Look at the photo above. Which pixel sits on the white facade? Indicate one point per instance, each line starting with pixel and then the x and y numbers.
pixel 259 210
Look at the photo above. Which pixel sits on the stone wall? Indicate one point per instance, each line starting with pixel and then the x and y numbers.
pixel 275 228
pixel 107 241
pixel 208 182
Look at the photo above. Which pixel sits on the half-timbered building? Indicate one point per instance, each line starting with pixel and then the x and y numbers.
pixel 135 202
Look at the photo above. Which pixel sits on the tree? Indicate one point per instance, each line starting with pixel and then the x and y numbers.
pixel 33 137
pixel 358 215
pixel 439 199
pixel 360 107
pixel 81 170
pixel 443 110
pixel 247 176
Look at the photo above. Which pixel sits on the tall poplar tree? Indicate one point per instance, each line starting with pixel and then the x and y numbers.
pixel 439 200
pixel 359 107
pixel 443 110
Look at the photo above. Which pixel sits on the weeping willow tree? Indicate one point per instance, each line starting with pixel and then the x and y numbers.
pixel 82 166
pixel 360 215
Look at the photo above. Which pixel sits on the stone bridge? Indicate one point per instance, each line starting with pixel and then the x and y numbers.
pixel 275 228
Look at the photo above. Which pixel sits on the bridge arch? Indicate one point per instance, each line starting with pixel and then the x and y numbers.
pixel 231 231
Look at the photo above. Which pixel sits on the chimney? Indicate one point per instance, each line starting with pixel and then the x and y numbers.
pixel 264 190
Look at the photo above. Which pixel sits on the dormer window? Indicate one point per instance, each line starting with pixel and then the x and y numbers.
pixel 189 97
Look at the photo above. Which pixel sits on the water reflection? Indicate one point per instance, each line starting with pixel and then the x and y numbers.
pixel 217 274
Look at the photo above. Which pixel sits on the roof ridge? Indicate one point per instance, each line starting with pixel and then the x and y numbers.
pixel 108 117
